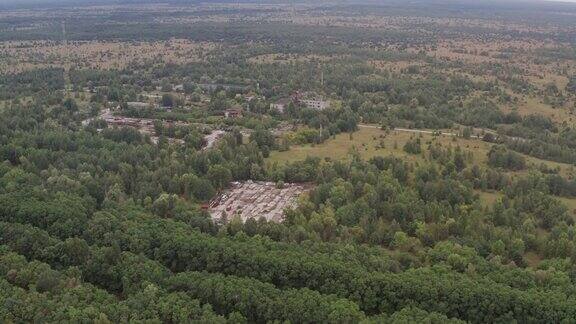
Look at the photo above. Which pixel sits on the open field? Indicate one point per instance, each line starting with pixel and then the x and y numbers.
pixel 488 198
pixel 371 141
pixel 287 58
pixel 530 105
pixel 21 56
pixel 366 141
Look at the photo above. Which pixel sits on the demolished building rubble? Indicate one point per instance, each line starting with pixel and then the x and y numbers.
pixel 255 199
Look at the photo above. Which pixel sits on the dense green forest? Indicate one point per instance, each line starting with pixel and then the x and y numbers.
pixel 439 175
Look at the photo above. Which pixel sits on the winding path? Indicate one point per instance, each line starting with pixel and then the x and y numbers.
pixel 431 132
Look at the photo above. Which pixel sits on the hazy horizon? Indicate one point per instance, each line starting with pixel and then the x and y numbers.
pixel 160 1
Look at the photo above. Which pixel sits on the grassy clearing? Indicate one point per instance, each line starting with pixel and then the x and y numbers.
pixel 99 54
pixel 532 259
pixel 559 80
pixel 571 204
pixel 532 105
pixel 372 142
pixel 488 198
pixel 288 58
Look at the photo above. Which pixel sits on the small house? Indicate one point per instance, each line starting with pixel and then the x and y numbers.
pixel 233 113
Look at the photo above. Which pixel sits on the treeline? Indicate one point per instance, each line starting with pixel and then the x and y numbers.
pixel 33 291
pixel 558 147
pixel 31 82
pixel 374 291
pixel 144 283
pixel 500 157
pixel 234 33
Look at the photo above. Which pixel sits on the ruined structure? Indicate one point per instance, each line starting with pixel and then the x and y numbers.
pixel 252 199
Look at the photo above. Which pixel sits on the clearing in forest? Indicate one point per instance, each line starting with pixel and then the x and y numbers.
pixel 255 199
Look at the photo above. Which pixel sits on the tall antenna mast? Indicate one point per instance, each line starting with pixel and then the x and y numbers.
pixel 64 41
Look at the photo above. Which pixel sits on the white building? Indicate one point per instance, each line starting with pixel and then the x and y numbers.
pixel 138 105
pixel 316 104
pixel 280 105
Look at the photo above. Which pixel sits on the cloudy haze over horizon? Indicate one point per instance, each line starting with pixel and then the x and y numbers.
pixel 80 1
pixel 30 4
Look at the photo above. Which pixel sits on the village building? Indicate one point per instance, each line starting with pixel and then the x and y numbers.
pixel 233 113
pixel 310 100
pixel 281 104
pixel 151 96
pixel 316 104
pixel 227 87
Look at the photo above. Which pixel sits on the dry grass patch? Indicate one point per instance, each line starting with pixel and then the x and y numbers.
pixel 530 105
pixel 22 56
pixel 287 58
pixel 489 198
pixel 370 142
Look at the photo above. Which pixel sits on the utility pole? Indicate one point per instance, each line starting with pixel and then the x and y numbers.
pixel 64 40
pixel 67 84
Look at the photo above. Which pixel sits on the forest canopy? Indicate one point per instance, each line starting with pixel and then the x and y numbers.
pixel 262 163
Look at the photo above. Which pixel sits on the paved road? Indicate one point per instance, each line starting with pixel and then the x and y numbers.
pixel 420 131
pixel 416 131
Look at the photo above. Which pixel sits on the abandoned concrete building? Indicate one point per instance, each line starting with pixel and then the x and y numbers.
pixel 281 104
pixel 316 104
pixel 310 100
pixel 233 112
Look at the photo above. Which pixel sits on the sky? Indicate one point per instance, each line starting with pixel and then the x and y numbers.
pixel 12 2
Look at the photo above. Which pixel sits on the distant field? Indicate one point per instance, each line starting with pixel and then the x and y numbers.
pixel 529 105
pixel 286 58
pixel 21 56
